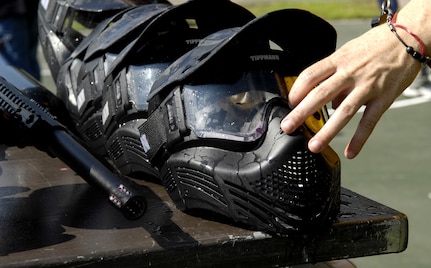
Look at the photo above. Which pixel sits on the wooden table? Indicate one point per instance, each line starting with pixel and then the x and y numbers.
pixel 49 216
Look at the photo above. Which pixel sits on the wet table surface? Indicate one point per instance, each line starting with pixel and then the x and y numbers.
pixel 49 216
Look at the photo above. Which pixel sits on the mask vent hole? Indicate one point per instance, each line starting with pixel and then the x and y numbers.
pixel 297 184
pixel 92 132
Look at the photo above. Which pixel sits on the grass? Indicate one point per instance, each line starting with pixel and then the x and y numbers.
pixel 327 9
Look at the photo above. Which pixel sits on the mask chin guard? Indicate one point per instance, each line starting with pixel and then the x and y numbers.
pixel 229 156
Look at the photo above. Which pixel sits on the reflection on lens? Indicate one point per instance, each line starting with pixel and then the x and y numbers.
pixel 231 111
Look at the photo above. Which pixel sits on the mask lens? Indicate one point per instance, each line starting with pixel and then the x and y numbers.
pixel 232 111
pixel 140 80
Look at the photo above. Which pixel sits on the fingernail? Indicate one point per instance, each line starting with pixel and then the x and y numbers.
pixel 315 146
pixel 350 155
pixel 287 126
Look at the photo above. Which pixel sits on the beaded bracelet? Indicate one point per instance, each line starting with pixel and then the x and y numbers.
pixel 420 56
pixel 396 25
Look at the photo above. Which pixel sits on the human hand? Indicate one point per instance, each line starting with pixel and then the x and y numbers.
pixel 371 70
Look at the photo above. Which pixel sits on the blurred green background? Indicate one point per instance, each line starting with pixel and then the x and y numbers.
pixel 327 9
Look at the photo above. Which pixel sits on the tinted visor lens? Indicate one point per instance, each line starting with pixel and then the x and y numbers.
pixel 232 111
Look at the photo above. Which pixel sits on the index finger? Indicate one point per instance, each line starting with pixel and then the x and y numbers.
pixel 307 80
pixel 314 99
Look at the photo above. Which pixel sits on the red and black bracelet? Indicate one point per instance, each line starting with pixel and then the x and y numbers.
pixel 420 56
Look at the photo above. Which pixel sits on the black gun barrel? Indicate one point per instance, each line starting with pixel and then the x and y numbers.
pixel 29 120
pixel 94 172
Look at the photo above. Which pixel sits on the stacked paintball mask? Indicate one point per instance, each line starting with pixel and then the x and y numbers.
pixel 213 128
pixel 106 79
pixel 199 105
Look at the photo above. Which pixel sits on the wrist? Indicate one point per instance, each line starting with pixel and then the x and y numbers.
pixel 415 17
pixel 421 55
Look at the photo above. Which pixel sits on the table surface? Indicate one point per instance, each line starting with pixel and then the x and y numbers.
pixel 49 216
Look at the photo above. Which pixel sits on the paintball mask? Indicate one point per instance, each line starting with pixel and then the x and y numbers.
pixel 213 128
pixel 106 79
pixel 64 24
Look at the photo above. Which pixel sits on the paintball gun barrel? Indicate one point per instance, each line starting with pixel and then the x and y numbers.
pixel 25 122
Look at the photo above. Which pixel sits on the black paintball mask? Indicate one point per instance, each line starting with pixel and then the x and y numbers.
pixel 214 132
pixel 107 77
pixel 64 24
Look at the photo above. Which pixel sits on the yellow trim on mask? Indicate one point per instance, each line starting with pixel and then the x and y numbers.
pixel 315 122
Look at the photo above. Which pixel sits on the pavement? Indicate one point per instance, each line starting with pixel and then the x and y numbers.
pixel 393 167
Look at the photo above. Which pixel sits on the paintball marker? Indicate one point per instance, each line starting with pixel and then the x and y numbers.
pixel 25 121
